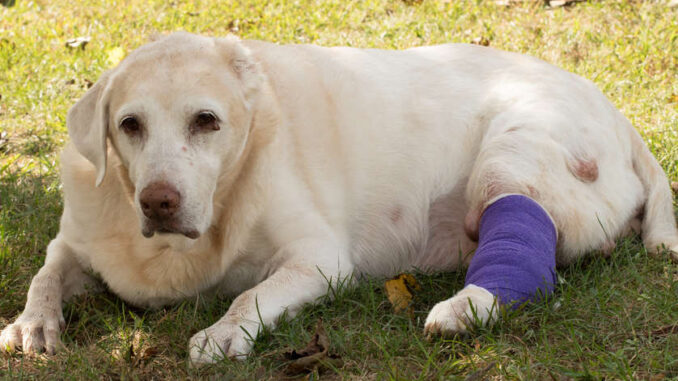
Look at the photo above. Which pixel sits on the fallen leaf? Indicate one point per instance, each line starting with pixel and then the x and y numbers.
pixel 139 350
pixel 78 42
pixel 315 356
pixel 674 186
pixel 483 41
pixel 400 291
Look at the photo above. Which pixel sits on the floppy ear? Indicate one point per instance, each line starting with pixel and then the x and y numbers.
pixel 243 65
pixel 87 123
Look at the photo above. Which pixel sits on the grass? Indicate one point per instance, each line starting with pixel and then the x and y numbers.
pixel 611 317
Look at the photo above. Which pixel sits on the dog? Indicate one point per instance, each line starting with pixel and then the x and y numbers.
pixel 263 172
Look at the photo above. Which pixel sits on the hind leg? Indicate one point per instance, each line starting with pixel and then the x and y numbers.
pixel 573 185
pixel 515 262
pixel 585 183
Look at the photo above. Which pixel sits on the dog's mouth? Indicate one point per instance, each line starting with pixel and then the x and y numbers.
pixel 151 227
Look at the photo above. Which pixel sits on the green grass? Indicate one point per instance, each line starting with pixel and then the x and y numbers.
pixel 609 318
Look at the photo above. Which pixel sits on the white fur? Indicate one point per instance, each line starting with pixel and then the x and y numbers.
pixel 472 305
pixel 329 162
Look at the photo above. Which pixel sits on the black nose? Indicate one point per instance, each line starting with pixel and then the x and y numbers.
pixel 159 201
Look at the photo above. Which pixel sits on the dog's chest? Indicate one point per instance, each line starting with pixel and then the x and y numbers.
pixel 147 273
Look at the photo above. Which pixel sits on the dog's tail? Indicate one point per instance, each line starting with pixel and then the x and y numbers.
pixel 658 221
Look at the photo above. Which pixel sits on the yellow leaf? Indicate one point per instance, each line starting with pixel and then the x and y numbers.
pixel 115 55
pixel 399 291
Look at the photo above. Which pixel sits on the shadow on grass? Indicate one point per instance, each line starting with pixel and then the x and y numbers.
pixel 8 3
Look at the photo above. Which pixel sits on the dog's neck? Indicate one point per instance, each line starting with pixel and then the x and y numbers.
pixel 243 191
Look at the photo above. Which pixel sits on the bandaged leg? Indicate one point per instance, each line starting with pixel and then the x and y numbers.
pixel 514 263
pixel 515 258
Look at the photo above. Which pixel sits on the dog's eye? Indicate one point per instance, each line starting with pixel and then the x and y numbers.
pixel 130 125
pixel 204 121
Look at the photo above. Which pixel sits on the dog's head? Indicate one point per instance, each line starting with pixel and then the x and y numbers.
pixel 178 111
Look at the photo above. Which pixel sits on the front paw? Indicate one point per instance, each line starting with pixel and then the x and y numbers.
pixel 472 305
pixel 221 340
pixel 33 332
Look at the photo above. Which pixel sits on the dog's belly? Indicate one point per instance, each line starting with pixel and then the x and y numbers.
pixel 447 245
pixel 429 239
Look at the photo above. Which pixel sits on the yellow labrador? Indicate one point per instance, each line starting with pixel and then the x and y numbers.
pixel 262 171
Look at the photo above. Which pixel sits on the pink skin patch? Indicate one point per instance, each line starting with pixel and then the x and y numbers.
pixel 396 214
pixel 585 170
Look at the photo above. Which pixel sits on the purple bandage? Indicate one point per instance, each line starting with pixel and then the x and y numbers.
pixel 516 254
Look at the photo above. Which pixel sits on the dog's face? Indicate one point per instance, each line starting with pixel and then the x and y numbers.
pixel 178 113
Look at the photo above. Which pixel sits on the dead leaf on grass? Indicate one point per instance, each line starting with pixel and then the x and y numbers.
pixel 674 186
pixel 315 356
pixel 400 291
pixel 139 350
pixel 483 41
pixel 78 42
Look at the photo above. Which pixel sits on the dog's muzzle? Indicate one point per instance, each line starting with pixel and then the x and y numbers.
pixel 160 202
